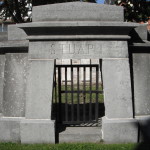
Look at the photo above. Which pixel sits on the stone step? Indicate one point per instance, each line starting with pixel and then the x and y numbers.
pixel 80 134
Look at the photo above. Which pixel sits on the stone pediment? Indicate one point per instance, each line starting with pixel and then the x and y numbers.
pixel 77 11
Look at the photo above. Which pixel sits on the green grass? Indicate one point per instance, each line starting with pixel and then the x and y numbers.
pixel 77 146
pixel 82 96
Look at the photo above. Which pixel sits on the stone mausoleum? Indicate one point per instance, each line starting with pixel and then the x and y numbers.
pixel 74 30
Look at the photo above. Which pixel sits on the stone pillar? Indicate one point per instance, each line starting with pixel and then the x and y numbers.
pixel 118 124
pixel 14 95
pixel 2 65
pixel 141 75
pixel 15 85
pixel 38 126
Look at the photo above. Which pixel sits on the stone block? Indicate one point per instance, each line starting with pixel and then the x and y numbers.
pixel 78 49
pixel 2 65
pixel 16 67
pixel 120 130
pixel 77 12
pixel 39 89
pixel 37 131
pixel 3 36
pixel 117 88
pixel 141 72
pixel 10 129
pixel 15 33
pixel 81 134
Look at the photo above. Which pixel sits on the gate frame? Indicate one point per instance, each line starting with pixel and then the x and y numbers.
pixel 90 91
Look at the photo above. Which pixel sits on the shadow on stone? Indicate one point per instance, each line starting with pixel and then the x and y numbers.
pixel 144 135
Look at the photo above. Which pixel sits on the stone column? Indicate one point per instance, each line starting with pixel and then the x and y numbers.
pixel 2 64
pixel 38 126
pixel 14 91
pixel 118 124
pixel 15 85
pixel 141 75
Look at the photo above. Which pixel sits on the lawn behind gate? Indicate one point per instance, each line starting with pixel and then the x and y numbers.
pixel 77 146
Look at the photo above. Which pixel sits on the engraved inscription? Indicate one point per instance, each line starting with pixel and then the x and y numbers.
pixel 72 48
pixel 52 49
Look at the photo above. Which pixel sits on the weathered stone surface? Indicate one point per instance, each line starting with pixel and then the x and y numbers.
pixel 37 131
pixel 10 129
pixel 3 36
pixel 76 11
pixel 78 49
pixel 16 67
pixel 81 134
pixel 117 88
pixel 120 130
pixel 141 74
pixel 2 65
pixel 140 33
pixel 39 89
pixel 15 33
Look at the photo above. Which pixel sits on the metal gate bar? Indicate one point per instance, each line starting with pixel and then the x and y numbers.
pixel 75 111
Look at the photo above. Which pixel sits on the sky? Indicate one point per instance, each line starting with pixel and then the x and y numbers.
pixel 100 1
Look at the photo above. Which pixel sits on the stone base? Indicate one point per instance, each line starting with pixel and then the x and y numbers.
pixel 120 130
pixel 10 129
pixel 80 135
pixel 37 131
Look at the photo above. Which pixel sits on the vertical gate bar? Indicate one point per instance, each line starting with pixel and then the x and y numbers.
pixel 100 62
pixel 90 104
pixel 72 106
pixel 97 86
pixel 78 105
pixel 59 91
pixel 66 96
pixel 55 92
pixel 84 95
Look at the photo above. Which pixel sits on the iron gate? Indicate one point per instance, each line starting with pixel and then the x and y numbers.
pixel 77 101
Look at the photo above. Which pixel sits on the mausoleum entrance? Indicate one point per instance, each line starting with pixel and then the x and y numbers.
pixel 77 94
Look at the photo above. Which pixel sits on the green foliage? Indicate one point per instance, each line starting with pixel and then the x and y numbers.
pixel 135 10
pixel 18 10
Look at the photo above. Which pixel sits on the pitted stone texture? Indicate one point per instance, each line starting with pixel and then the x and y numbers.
pixel 37 131
pixel 120 130
pixel 141 73
pixel 2 65
pixel 15 33
pixel 3 36
pixel 10 129
pixel 39 89
pixel 16 67
pixel 78 49
pixel 81 134
pixel 117 88
pixel 77 11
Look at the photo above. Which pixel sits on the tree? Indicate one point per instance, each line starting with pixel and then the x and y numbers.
pixel 18 10
pixel 135 10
